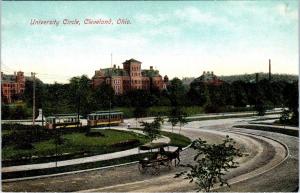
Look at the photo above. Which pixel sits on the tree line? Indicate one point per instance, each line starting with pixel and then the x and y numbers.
pixel 79 96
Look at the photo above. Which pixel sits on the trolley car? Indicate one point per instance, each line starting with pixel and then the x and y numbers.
pixel 62 121
pixel 103 118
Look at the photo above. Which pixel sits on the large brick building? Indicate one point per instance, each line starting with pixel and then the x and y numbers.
pixel 209 78
pixel 12 85
pixel 130 77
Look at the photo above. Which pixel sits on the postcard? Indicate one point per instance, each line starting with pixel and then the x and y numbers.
pixel 149 96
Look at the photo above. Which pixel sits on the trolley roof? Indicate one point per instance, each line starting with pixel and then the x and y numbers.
pixel 64 116
pixel 114 113
pixel 106 113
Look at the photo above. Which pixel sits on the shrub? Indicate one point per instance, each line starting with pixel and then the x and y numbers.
pixel 130 143
pixel 94 134
pixel 212 162
pixel 212 108
pixel 24 145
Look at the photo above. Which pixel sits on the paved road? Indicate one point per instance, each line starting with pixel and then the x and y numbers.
pixel 277 176
pixel 263 153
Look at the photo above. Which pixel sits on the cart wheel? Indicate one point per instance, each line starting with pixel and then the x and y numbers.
pixel 169 164
pixel 156 169
pixel 142 169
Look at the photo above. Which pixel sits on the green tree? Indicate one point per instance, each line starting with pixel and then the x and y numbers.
pixel 176 92
pixel 139 112
pixel 182 120
pixel 141 100
pixel 40 92
pixel 285 116
pixel 5 112
pixel 58 98
pixel 291 97
pixel 260 107
pixel 199 93
pixel 81 89
pixel 152 130
pixel 173 117
pixel 239 94
pixel 103 96
pixel 212 162
pixel 20 112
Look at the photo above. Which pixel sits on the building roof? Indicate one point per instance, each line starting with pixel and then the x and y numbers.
pixel 8 78
pixel 208 77
pixel 150 73
pixel 114 72
pixel 131 60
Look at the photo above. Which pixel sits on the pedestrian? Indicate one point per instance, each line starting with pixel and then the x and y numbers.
pixel 128 125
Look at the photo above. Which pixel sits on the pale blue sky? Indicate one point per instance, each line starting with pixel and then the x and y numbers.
pixel 180 38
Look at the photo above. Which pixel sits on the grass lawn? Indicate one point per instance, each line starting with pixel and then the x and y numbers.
pixel 160 110
pixel 78 143
pixel 176 139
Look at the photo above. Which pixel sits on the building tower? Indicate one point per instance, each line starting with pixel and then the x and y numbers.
pixel 133 68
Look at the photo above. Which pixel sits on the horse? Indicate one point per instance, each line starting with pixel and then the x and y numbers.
pixel 172 155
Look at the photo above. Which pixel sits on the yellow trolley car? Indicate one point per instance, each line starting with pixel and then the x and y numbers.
pixel 63 121
pixel 103 118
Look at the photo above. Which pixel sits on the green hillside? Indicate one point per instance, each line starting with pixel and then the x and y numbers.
pixel 249 77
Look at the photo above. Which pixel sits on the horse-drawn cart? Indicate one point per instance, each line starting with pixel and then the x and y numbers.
pixel 153 165
pixel 160 159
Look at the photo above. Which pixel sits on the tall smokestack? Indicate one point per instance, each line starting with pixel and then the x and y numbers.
pixel 269 69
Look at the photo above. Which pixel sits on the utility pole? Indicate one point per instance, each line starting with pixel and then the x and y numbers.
pixel 269 69
pixel 33 94
pixel 78 102
pixel 111 60
pixel 56 140
pixel 109 93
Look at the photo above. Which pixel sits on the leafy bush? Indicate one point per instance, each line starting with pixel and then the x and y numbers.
pixel 24 145
pixel 212 108
pixel 212 161
pixel 127 143
pixel 94 134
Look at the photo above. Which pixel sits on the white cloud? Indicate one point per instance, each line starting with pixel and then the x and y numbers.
pixel 151 19
pixel 169 31
pixel 196 16
pixel 193 14
pixel 58 37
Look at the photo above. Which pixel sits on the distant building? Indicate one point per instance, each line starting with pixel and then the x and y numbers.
pixel 12 85
pixel 130 77
pixel 210 78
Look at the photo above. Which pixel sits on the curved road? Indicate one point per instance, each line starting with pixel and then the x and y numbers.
pixel 268 166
